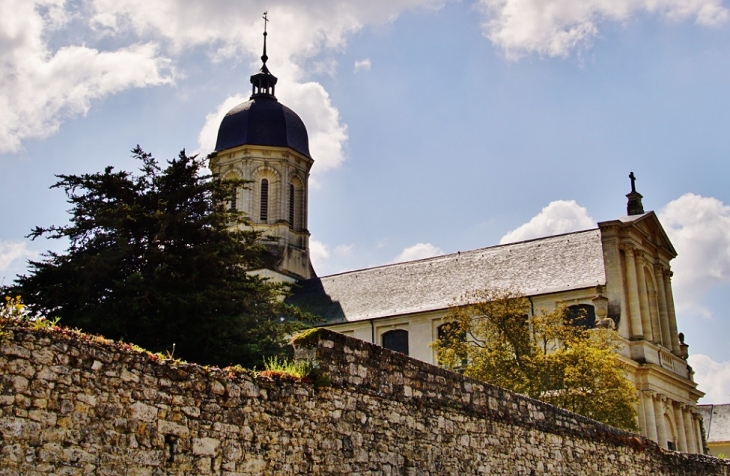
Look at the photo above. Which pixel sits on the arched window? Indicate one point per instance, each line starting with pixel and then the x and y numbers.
pixel 583 315
pixel 291 205
pixel 396 340
pixel 264 209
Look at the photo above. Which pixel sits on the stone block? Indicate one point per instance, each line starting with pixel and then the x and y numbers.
pixel 143 412
pixel 205 446
pixel 170 428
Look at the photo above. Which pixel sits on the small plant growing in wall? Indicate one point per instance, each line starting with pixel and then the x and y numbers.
pixel 282 367
pixel 302 370
pixel 13 311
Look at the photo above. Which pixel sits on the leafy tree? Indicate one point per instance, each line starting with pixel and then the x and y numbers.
pixel 158 259
pixel 490 335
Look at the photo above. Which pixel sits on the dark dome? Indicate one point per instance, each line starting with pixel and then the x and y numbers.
pixel 263 121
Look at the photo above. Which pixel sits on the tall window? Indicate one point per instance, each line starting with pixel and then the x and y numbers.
pixel 264 212
pixel 582 315
pixel 291 205
pixel 396 340
pixel 232 205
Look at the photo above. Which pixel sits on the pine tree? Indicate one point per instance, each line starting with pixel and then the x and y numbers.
pixel 158 259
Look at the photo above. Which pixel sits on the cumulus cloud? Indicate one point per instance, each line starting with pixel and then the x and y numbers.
pixel 418 251
pixel 318 253
pixel 233 30
pixel 39 87
pixel 362 65
pixel 209 132
pixel 712 377
pixel 327 134
pixel 560 216
pixel 557 27
pixel 699 228
pixel 12 253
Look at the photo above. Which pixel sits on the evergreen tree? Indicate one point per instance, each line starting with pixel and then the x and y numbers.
pixel 490 335
pixel 158 259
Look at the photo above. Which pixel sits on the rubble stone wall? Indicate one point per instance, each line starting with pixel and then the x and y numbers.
pixel 73 405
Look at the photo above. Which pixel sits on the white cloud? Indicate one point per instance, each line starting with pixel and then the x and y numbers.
pixel 11 254
pixel 418 251
pixel 699 228
pixel 318 253
pixel 209 132
pixel 712 377
pixel 298 32
pixel 560 216
pixel 40 87
pixel 327 135
pixel 556 27
pixel 363 65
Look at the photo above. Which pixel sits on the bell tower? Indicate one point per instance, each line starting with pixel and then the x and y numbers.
pixel 266 143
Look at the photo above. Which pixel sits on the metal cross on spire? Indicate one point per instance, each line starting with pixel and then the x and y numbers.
pixel 266 20
pixel 633 181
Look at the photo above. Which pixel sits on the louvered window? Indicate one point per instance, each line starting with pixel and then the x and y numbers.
pixel 291 205
pixel 232 204
pixel 264 212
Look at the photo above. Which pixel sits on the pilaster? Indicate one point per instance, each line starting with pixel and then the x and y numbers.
pixel 681 431
pixel 637 330
pixel 671 313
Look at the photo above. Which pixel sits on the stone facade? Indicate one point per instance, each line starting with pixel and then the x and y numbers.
pixel 275 202
pixel 73 404
pixel 626 259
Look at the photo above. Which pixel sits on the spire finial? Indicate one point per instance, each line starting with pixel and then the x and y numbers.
pixel 634 206
pixel 266 20
pixel 264 82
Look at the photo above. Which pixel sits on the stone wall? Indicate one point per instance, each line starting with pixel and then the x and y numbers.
pixel 71 404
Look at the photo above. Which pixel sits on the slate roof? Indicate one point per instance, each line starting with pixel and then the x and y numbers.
pixel 540 266
pixel 716 422
pixel 263 121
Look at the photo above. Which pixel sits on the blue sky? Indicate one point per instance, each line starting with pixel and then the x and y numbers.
pixel 436 125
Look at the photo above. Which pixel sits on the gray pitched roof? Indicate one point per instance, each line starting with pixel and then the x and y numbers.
pixel 716 422
pixel 545 265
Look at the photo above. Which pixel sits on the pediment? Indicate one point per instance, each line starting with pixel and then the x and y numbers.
pixel 646 229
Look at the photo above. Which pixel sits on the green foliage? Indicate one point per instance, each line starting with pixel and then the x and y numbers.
pixel 156 258
pixel 15 312
pixel 298 369
pixel 490 335
pixel 13 308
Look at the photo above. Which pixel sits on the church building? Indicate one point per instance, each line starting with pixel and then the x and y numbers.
pixel 619 270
